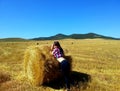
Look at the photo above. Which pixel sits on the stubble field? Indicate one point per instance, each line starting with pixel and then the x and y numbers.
pixel 95 66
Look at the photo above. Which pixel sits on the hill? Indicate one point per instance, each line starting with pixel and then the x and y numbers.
pixel 13 40
pixel 75 36
pixel 61 36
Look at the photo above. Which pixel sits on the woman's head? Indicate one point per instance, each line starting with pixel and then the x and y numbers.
pixel 56 43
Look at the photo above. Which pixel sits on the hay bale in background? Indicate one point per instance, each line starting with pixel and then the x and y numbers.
pixel 40 66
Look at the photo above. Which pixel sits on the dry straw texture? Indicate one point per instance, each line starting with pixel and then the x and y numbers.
pixel 4 76
pixel 40 66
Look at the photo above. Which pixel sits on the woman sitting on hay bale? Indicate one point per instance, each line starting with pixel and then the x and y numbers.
pixel 58 53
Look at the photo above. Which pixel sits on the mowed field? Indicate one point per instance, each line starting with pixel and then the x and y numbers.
pixel 95 65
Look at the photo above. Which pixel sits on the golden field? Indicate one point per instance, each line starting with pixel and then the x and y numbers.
pixel 96 65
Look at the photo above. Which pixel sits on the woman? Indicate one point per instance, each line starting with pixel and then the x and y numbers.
pixel 58 53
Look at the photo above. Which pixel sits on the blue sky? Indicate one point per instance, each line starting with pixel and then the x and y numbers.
pixel 43 18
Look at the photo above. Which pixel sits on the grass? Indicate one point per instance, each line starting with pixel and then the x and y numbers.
pixel 95 58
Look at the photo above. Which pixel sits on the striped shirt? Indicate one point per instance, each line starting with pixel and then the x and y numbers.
pixel 56 52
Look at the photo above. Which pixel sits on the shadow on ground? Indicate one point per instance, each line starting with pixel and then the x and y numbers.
pixel 78 80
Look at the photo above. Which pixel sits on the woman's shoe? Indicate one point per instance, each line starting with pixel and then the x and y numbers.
pixel 67 90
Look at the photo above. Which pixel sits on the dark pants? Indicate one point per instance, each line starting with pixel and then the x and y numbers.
pixel 65 67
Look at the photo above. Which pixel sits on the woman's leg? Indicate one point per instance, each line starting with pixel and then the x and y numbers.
pixel 65 66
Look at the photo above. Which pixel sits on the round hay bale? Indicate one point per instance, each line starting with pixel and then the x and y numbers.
pixel 40 66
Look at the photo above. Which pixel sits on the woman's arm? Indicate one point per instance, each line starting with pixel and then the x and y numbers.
pixel 52 47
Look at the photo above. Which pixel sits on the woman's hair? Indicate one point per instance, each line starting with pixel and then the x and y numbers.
pixel 56 43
